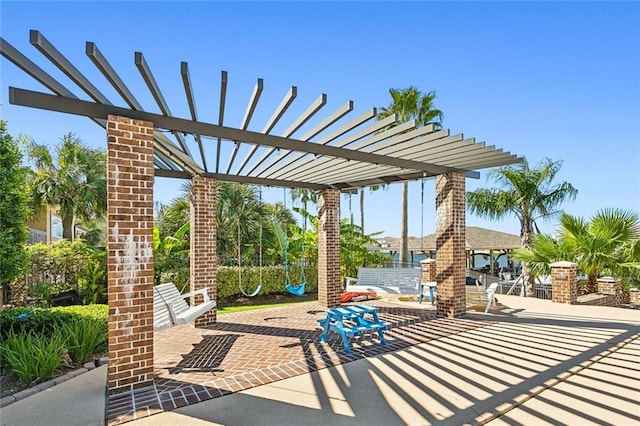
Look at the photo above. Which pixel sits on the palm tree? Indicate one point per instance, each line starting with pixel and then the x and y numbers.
pixel 411 104
pixel 239 218
pixel 306 196
pixel 607 244
pixel 372 188
pixel 527 193
pixel 74 181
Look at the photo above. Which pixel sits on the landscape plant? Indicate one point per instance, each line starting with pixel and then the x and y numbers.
pixel 171 256
pixel 84 338
pixel 32 358
pixel 58 267
pixel 14 208
pixel 527 193
pixel 72 180
pixel 33 341
pixel 34 321
pixel 607 244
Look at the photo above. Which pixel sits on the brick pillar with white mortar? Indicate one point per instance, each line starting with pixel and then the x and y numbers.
pixel 130 253
pixel 450 245
pixel 564 282
pixel 329 284
pixel 202 248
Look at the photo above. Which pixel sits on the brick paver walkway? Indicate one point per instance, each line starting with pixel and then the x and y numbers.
pixel 253 348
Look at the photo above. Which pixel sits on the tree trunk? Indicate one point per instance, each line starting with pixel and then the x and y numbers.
pixel 404 237
pixel 67 227
pixel 528 282
pixel 362 209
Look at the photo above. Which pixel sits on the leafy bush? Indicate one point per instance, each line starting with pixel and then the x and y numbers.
pixel 96 312
pixel 31 321
pixel 85 337
pixel 32 340
pixel 59 267
pixel 32 358
pixel 45 322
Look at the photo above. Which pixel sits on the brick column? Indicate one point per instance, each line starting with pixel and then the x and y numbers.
pixel 450 245
pixel 609 285
pixel 428 270
pixel 130 253
pixel 329 285
pixel 564 282
pixel 203 256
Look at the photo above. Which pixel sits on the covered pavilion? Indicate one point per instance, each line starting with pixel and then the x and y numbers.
pixel 336 153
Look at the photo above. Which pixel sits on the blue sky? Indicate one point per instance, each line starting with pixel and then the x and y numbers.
pixel 539 79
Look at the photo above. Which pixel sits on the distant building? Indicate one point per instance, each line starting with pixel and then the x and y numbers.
pixel 487 250
pixel 45 228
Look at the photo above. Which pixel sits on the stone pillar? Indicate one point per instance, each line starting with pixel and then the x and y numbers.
pixel 428 270
pixel 130 253
pixel 450 245
pixel 564 282
pixel 203 256
pixel 329 284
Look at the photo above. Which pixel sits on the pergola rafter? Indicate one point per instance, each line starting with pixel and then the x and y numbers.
pixel 330 154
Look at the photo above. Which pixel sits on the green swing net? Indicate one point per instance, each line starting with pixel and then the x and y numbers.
pixel 296 290
pixel 259 287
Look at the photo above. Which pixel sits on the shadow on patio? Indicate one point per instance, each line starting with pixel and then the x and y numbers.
pixel 252 348
pixel 523 367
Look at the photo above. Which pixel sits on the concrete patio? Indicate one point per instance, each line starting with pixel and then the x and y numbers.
pixel 527 362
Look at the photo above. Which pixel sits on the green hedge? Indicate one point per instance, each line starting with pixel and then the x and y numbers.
pixel 273 279
pixel 44 321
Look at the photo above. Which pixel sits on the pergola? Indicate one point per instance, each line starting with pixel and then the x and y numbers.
pixel 337 153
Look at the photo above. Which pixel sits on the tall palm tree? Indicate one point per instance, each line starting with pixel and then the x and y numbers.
pixel 74 180
pixel 372 188
pixel 306 196
pixel 527 193
pixel 411 104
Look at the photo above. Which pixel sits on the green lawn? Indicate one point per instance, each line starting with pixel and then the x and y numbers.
pixel 270 301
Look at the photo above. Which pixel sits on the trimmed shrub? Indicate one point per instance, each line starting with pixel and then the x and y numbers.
pixel 46 321
pixel 31 321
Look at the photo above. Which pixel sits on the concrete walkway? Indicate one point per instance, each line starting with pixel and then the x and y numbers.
pixel 78 401
pixel 540 363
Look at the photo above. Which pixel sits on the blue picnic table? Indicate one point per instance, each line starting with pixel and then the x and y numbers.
pixel 431 286
pixel 349 321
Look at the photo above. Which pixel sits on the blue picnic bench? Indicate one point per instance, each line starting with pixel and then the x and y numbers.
pixel 350 321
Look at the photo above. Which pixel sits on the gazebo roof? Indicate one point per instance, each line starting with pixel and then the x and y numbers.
pixel 477 239
pixel 340 151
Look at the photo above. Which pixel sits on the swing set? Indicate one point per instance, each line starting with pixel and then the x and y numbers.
pixel 259 286
pixel 296 290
